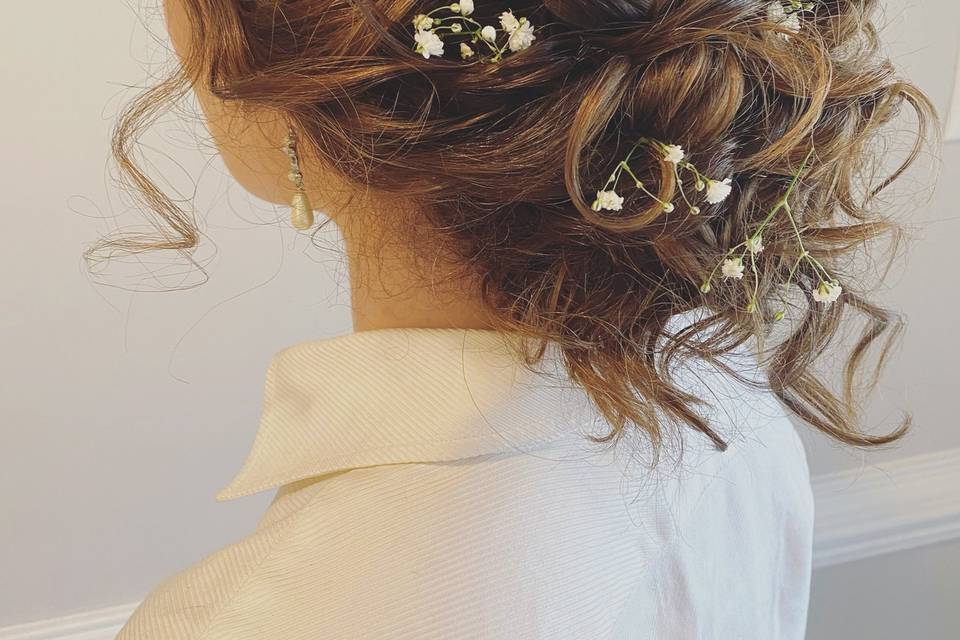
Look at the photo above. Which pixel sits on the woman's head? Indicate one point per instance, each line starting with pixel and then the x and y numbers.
pixel 499 163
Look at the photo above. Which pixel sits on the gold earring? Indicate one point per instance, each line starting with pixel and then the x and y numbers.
pixel 301 214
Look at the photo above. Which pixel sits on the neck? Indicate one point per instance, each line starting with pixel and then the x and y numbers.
pixel 391 288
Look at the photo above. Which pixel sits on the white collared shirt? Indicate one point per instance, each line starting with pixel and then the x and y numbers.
pixel 431 487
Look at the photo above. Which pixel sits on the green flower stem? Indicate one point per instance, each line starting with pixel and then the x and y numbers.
pixel 683 194
pixel 626 167
pixel 793 270
pixel 784 204
pixel 821 271
pixel 639 183
pixel 784 201
pixel 756 281
pixel 615 176
pixel 700 178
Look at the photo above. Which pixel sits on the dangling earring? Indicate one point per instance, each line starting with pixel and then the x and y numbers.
pixel 301 214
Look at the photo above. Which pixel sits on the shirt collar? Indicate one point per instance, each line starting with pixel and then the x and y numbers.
pixel 403 395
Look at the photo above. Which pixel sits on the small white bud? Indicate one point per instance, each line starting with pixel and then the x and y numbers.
pixel 422 22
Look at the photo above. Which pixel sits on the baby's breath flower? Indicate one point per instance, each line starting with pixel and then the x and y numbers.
pixel 522 37
pixel 428 44
pixel 732 268
pixel 778 14
pixel 827 292
pixel 718 191
pixel 488 33
pixel 608 200
pixel 509 22
pixel 715 190
pixel 755 243
pixel 673 153
pixel 422 22
pixel 451 24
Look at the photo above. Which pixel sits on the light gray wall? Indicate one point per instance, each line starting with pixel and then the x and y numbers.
pixel 122 413
pixel 890 597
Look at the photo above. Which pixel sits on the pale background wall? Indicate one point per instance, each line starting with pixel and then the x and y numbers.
pixel 123 413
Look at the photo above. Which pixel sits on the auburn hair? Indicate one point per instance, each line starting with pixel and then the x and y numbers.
pixel 504 160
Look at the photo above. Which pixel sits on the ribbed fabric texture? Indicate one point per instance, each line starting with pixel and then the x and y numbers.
pixel 432 487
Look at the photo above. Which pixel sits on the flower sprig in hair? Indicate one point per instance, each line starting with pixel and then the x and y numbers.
pixel 432 28
pixel 734 263
pixel 786 13
pixel 714 191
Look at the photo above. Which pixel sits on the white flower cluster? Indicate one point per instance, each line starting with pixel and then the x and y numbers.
pixel 786 13
pixel 714 191
pixel 430 29
pixel 733 266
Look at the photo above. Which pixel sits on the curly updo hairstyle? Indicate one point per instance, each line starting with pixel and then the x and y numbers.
pixel 505 159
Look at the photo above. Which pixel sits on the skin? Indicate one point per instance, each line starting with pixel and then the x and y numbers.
pixel 388 288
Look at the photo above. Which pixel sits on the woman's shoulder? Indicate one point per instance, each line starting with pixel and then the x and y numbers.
pixel 458 548
pixel 441 549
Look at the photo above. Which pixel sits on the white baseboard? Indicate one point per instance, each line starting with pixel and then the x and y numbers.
pixel 902 505
pixel 99 624
pixel 861 513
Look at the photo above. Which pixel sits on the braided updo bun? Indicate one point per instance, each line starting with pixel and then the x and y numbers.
pixel 505 160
